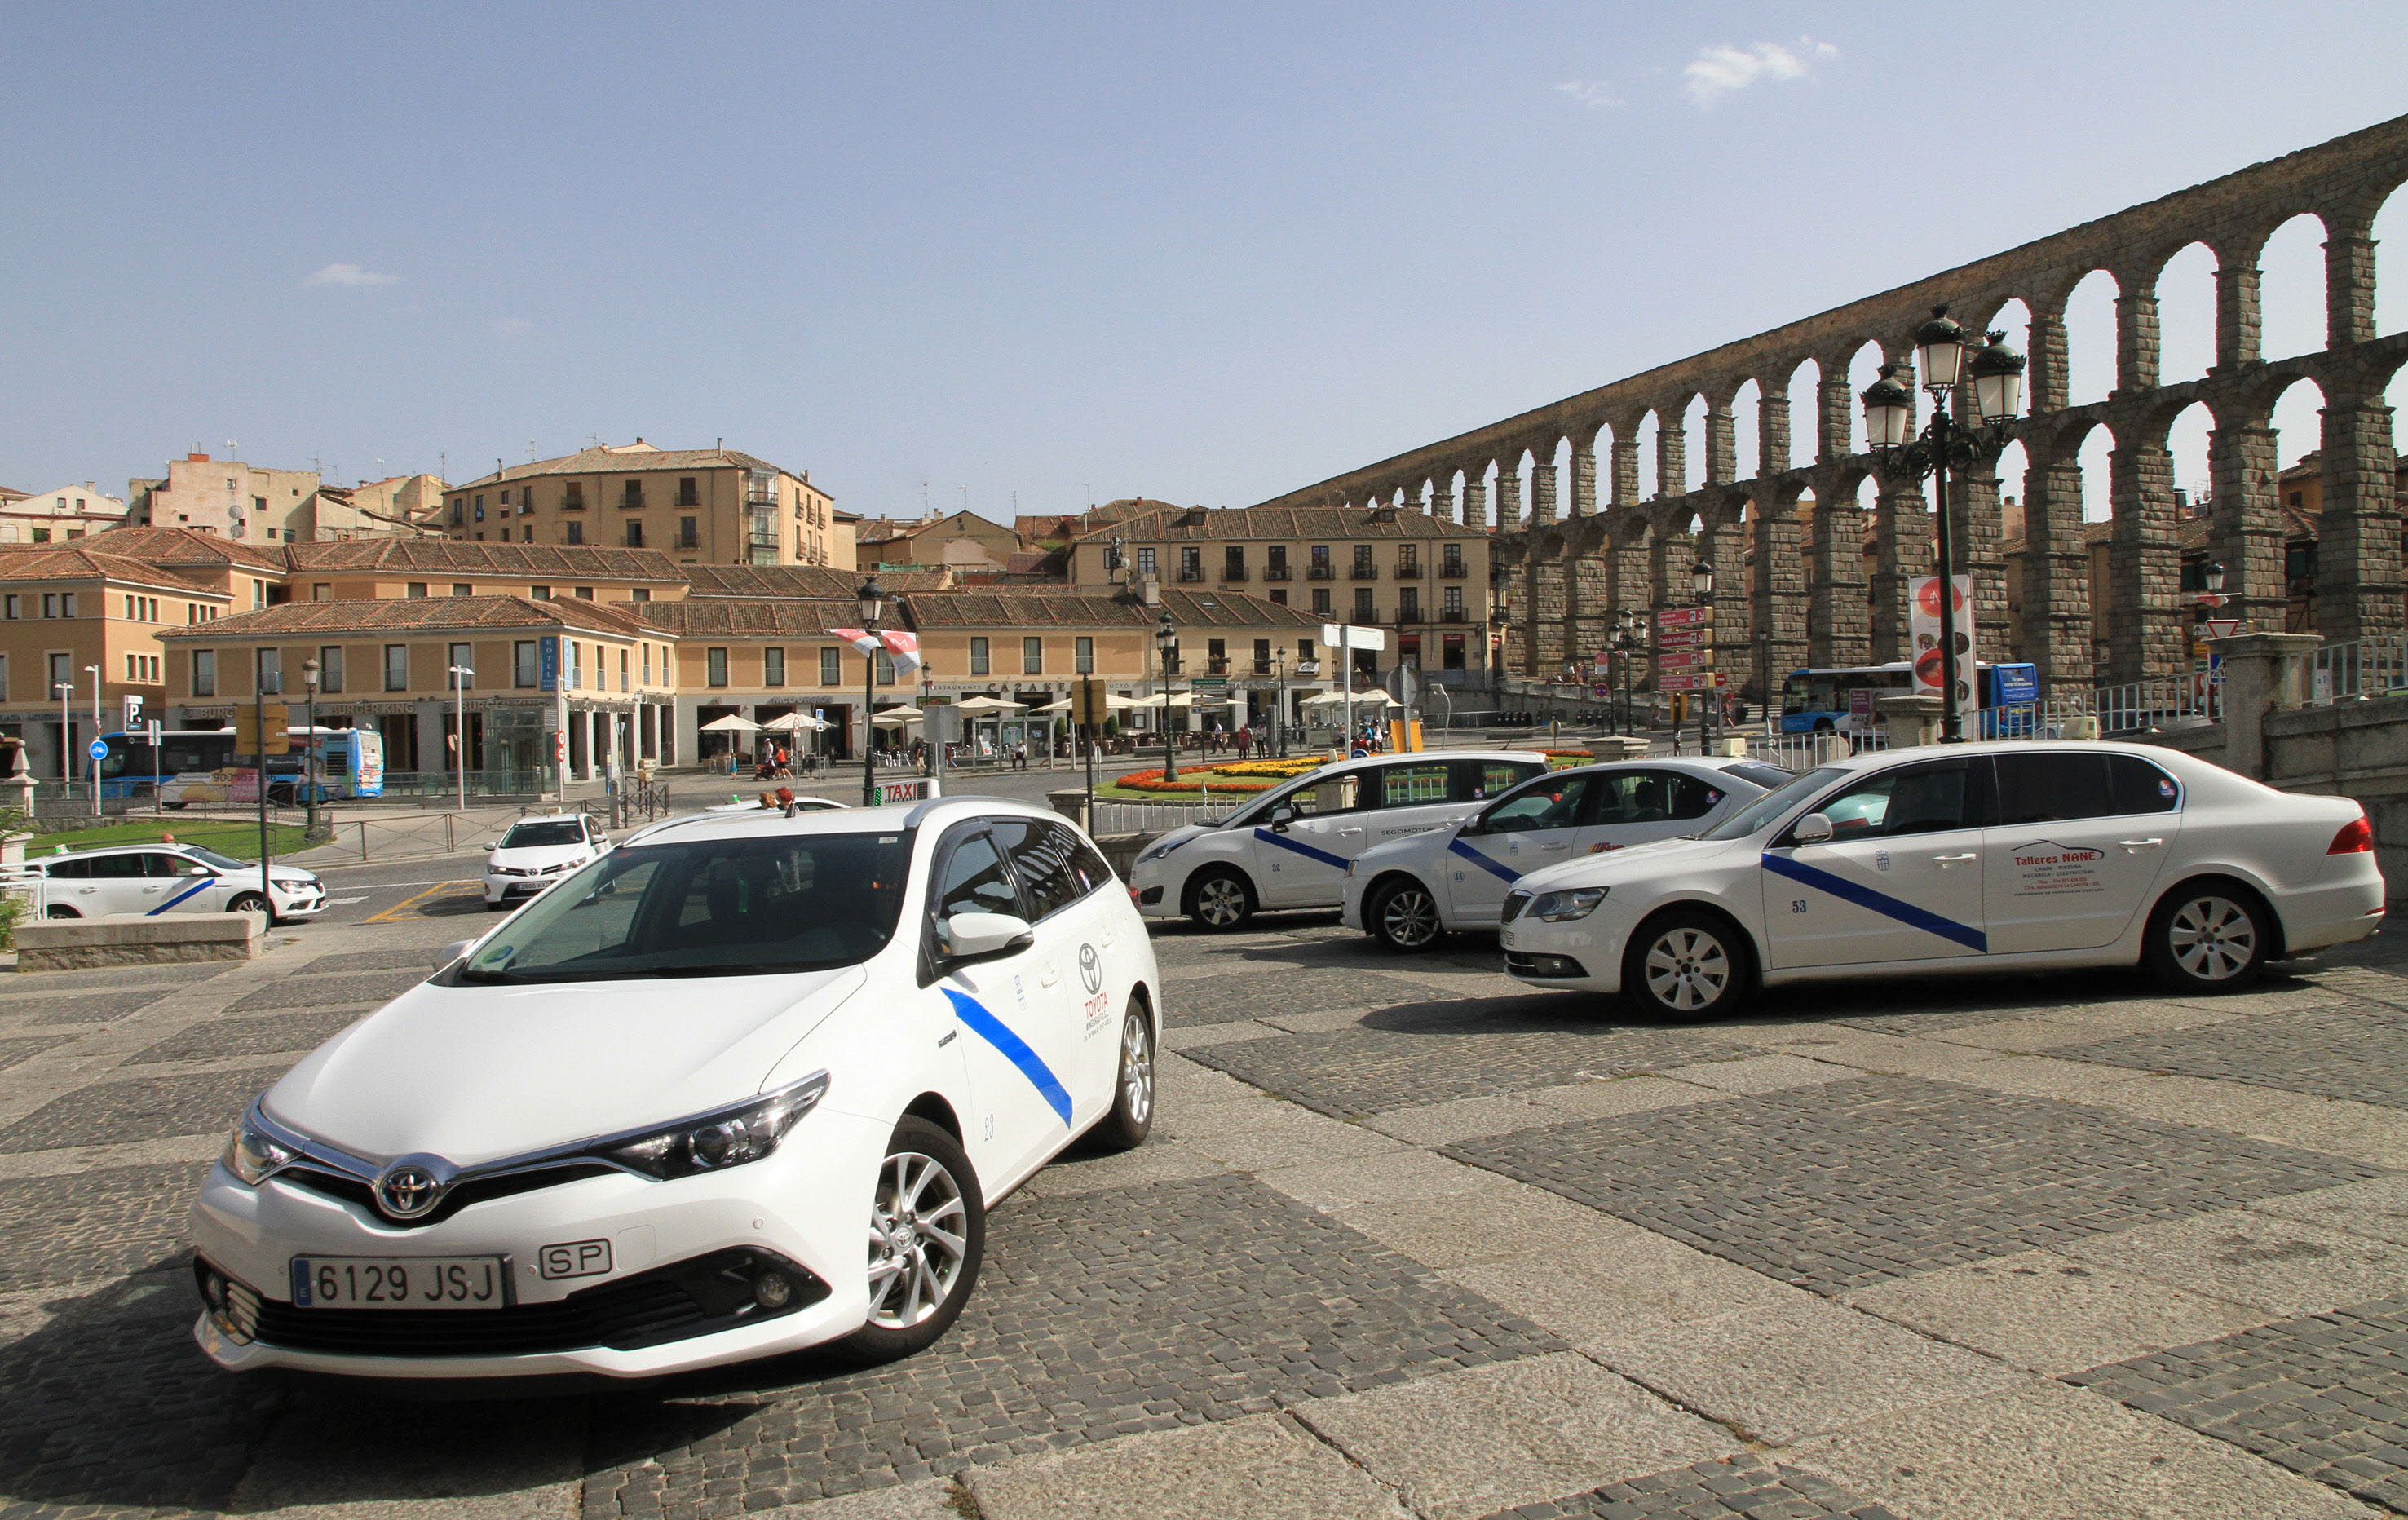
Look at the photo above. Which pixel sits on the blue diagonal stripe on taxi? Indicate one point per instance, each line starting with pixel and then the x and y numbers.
pixel 1456 846
pixel 1305 849
pixel 1880 902
pixel 202 885
pixel 1015 1050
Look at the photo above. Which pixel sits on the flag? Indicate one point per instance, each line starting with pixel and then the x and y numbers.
pixel 864 641
pixel 904 647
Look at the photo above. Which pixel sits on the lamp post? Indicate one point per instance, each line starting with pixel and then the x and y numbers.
pixel 64 691
pixel 1279 701
pixel 309 672
pixel 1701 586
pixel 927 715
pixel 1166 643
pixel 93 671
pixel 871 601
pixel 461 675
pixel 1946 445
pixel 1765 684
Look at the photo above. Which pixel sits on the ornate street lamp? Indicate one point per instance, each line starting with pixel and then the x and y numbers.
pixel 871 601
pixel 1946 445
pixel 1701 581
pixel 309 672
pixel 1165 644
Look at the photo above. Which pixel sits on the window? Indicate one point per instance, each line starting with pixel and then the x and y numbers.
pixel 1653 796
pixel 1413 785
pixel 1262 656
pixel 1279 598
pixel 9 608
pixel 1216 657
pixel 631 493
pixel 1319 556
pixel 1364 611
pixel 1083 655
pixel 572 496
pixel 686 496
pixel 1451 652
pixel 1321 601
pixel 416 588
pixel 831 665
pixel 1363 565
pixel 715 661
pixel 330 669
pixel 62 672
pixel 1408 604
pixel 1275 563
pixel 1191 565
pixel 1408 559
pixel 622 670
pixel 2062 787
pixel 465 658
pixel 541 594
pixel 773 666
pixel 462 588
pixel 527 664
pixel 1451 603
pixel 648 665
pixel 1032 656
pixel 576 666
pixel 573 533
pixel 1450 559
pixel 1145 562
pixel 641 594
pixel 978 657
pixel 974 880
pixel 505 501
pixel 1931 798
pixel 267 668
pixel 687 536
pixel 205 672
pixel 397 668
pixel 319 591
pixel 585 594
pixel 458 511
pixel 635 532
pixel 41 536
pixel 1040 856
pixel 885 668
pixel 1555 803
pixel 1233 562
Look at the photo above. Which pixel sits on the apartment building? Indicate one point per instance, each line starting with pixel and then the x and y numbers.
pixel 58 515
pixel 418 567
pixel 1423 579
pixel 539 669
pixel 227 497
pixel 960 541
pixel 398 504
pixel 701 506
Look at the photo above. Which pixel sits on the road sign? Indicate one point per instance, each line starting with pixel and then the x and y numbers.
pixel 133 714
pixel 1404 684
pixel 97 749
pixel 560 746
pixel 1685 681
pixel 2222 627
pixel 1684 659
pixel 1682 617
pixel 1087 704
pixel 248 723
pixel 1207 683
pixel 1684 638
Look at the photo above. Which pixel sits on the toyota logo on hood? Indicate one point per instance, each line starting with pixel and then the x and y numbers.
pixel 411 1188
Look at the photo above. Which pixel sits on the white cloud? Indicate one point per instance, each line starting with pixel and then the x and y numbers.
pixel 1593 94
pixel 349 274
pixel 1723 69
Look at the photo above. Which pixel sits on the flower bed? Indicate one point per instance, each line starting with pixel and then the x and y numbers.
pixel 1150 781
pixel 1278 770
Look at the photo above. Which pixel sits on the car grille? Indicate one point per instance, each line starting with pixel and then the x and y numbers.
pixel 700 1297
pixel 471 1190
pixel 1514 903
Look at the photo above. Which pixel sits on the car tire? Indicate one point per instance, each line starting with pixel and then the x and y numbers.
pixel 251 902
pixel 1220 900
pixel 501 907
pixel 1131 1119
pixel 2207 937
pixel 1403 916
pixel 1687 966
pixel 60 909
pixel 924 1166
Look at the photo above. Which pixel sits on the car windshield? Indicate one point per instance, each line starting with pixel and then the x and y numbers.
pixel 786 902
pixel 550 831
pixel 224 863
pixel 1770 806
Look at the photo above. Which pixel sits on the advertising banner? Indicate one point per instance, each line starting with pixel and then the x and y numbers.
pixel 1924 627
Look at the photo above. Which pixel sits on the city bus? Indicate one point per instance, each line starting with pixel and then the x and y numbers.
pixel 1844 699
pixel 199 765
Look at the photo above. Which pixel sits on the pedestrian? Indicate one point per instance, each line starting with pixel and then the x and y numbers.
pixel 1245 742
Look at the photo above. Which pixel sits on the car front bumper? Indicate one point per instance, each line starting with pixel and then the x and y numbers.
pixel 1537 952
pixel 807 1205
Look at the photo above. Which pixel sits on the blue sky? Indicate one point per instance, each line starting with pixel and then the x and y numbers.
pixel 1204 252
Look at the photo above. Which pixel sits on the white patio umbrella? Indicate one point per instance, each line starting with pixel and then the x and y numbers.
pixel 735 723
pixel 897 717
pixel 794 723
pixel 1368 696
pixel 988 704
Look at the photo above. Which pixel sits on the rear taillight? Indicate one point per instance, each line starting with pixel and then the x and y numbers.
pixel 2356 836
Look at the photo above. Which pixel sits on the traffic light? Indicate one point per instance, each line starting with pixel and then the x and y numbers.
pixel 248 722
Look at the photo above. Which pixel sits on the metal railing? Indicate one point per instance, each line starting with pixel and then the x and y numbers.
pixel 2135 706
pixel 482 783
pixel 2362 667
pixel 1155 817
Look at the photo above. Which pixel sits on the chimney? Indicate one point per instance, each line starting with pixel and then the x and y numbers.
pixel 196 459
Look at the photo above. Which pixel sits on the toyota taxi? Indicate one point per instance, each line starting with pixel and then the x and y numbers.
pixel 741 1085
pixel 1968 857
pixel 1290 847
pixel 1409 894
pixel 165 878
pixel 537 852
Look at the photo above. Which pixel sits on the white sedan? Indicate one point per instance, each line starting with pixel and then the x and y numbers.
pixel 167 878
pixel 1972 857
pixel 740 1086
pixel 1410 893
pixel 537 852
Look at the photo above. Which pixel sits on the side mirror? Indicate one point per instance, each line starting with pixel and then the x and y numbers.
pixel 1281 814
pixel 491 844
pixel 1815 828
pixel 978 936
pixel 452 951
pixel 199 870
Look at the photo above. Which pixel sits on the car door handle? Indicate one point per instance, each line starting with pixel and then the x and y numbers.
pixel 2140 844
pixel 1053 974
pixel 1951 860
pixel 1350 831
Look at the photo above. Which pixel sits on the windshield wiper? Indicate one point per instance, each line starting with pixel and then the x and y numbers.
pixel 469 973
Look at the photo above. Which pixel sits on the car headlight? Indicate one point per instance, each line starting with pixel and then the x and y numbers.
pixel 252 1154
pixel 1561 907
pixel 1155 852
pixel 721 1139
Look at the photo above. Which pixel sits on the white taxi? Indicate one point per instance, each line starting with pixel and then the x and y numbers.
pixel 1969 858
pixel 739 1087
pixel 536 851
pixel 1409 894
pixel 167 878
pixel 1290 847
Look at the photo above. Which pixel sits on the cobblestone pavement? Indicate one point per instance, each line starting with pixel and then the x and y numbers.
pixel 1410 1241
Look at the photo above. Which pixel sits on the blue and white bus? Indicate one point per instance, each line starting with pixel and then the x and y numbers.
pixel 1845 699
pixel 199 765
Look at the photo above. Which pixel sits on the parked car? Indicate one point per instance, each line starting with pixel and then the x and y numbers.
pixel 739 1087
pixel 1409 894
pixel 536 851
pixel 1290 847
pixel 1987 857
pixel 167 878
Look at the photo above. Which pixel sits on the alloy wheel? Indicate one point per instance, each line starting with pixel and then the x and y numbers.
pixel 918 1240
pixel 1408 918
pixel 1137 1068
pixel 1221 901
pixel 2211 938
pixel 1687 970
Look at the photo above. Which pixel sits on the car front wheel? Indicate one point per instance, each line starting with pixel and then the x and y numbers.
pixel 2207 937
pixel 1220 900
pixel 60 909
pixel 927 1234
pixel 1403 916
pixel 1131 1119
pixel 1686 966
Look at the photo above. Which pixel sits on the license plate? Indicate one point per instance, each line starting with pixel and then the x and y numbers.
pixel 401 1282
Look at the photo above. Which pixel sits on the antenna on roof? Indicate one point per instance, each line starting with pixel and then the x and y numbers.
pixel 532 451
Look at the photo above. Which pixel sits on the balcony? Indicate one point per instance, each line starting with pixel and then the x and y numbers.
pixel 1320 573
pixel 1362 571
pixel 1410 613
pixel 1232 574
pixel 1217 666
pixel 1453 569
pixel 1275 572
pixel 1453 614
pixel 688 540
pixel 1410 571
pixel 759 501
pixel 633 504
pixel 1191 575
pixel 572 504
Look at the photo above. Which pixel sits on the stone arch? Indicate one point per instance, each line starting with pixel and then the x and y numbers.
pixel 2389 220
pixel 2089 321
pixel 1860 368
pixel 1692 424
pixel 1798 382
pixel 1746 407
pixel 2185 286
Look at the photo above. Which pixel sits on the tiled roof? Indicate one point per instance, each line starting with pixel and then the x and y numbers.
pixel 629 462
pixel 51 562
pixel 416 614
pixel 725 616
pixel 453 556
pixel 176 547
pixel 797 580
pixel 1281 524
pixel 1034 609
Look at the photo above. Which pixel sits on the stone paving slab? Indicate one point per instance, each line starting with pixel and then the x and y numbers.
pixel 2357 1050
pixel 94 1224
pixel 1220 999
pixel 112 1113
pixel 14 1051
pixel 1842 1184
pixel 399 958
pixel 1409 1056
pixel 1258 1469
pixel 2249 1256
pixel 1733 1488
pixel 1206 1301
pixel 20 984
pixel 2325 1395
pixel 2378 1208
pixel 307 991
pixel 81 1006
pixel 266 1035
